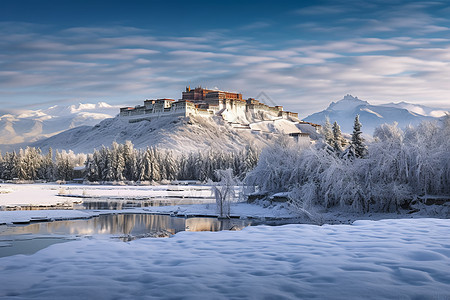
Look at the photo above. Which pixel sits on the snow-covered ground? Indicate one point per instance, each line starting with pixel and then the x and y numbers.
pixel 52 194
pixel 388 259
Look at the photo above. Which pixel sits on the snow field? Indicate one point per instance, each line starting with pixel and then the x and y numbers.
pixel 50 194
pixel 388 259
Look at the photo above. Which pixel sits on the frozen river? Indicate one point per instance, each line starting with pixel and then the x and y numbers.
pixel 28 239
pixel 387 259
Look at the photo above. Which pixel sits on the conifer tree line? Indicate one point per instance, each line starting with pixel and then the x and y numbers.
pixel 122 162
pixel 32 164
pixel 332 134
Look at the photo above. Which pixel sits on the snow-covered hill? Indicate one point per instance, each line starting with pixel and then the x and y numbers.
pixel 176 133
pixel 371 116
pixel 27 126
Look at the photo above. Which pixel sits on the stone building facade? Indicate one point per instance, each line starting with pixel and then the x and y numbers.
pixel 206 102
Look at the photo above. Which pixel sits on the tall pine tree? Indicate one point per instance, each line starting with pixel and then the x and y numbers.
pixel 358 140
pixel 338 140
pixel 327 132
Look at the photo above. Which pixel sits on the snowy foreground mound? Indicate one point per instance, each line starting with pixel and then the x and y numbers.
pixel 175 133
pixel 394 259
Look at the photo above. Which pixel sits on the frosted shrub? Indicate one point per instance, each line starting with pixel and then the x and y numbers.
pixel 303 197
pixel 224 191
pixel 276 166
pixel 399 167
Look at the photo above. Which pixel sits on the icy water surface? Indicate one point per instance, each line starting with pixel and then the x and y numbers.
pixel 113 204
pixel 28 239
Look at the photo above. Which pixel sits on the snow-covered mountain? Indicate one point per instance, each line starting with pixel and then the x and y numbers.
pixel 27 126
pixel 84 127
pixel 181 134
pixel 371 116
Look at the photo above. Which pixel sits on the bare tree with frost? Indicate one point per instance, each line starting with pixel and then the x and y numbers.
pixel 224 191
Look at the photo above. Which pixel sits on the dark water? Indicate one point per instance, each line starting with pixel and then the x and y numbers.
pixel 28 239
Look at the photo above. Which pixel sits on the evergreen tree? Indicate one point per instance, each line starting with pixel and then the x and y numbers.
pixel 357 139
pixel 47 170
pixel 349 153
pixel 31 162
pixel 92 173
pixel 19 167
pixel 131 170
pixel 2 165
pixel 338 140
pixel 327 132
pixel 8 171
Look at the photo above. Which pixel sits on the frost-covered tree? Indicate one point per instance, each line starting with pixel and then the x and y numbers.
pixel 327 132
pixel 8 168
pixel 130 159
pixel 92 172
pixel 338 140
pixel 224 191
pixel 357 143
pixel 19 166
pixel 65 161
pixel 30 162
pixel 47 170
pixel 398 167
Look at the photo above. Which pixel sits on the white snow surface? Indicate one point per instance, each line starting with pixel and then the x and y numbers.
pixel 387 259
pixel 279 125
pixel 174 133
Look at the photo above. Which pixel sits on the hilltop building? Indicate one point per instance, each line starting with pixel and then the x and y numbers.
pixel 206 102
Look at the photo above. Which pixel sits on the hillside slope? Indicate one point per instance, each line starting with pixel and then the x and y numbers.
pixel 176 133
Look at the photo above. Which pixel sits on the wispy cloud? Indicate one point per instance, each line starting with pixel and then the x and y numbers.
pixel 321 10
pixel 256 25
pixel 127 64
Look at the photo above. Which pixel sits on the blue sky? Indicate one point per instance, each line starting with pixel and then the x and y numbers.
pixel 303 54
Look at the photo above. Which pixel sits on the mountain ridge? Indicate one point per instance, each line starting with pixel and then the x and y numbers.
pixel 27 126
pixel 85 126
pixel 181 134
pixel 371 116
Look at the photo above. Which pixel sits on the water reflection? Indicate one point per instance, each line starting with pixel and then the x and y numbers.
pixel 113 204
pixel 125 224
pixel 124 204
pixel 28 239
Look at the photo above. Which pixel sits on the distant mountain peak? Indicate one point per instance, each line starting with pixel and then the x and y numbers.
pixel 371 116
pixel 25 126
pixel 350 97
pixel 348 102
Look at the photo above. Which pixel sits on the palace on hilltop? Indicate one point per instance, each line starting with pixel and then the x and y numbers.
pixel 205 102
